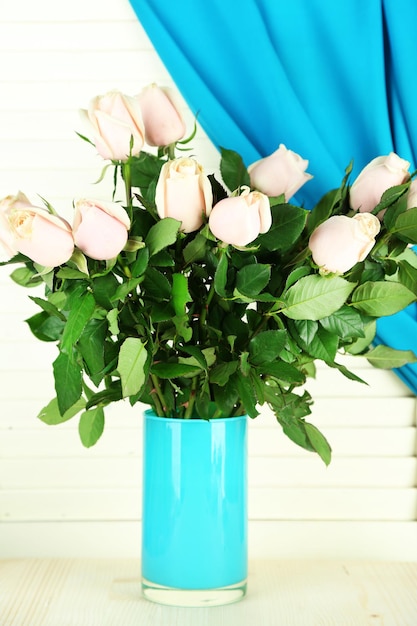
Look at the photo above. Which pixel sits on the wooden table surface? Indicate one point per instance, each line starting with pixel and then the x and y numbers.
pixel 106 592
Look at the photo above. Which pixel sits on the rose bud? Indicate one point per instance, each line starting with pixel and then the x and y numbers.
pixel 160 112
pixel 100 228
pixel 238 220
pixel 115 121
pixel 340 242
pixel 45 238
pixel 283 172
pixel 379 175
pixel 184 192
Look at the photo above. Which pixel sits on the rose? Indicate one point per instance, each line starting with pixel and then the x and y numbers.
pixel 238 220
pixel 115 121
pixel 340 242
pixel 184 193
pixel 7 247
pixel 33 231
pixel 100 228
pixel 379 175
pixel 160 112
pixel 283 172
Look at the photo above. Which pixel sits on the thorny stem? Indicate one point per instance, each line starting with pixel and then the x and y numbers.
pixel 159 396
pixel 128 186
pixel 190 407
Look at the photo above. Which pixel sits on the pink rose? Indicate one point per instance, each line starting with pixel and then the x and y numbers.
pixel 184 192
pixel 340 242
pixel 379 175
pixel 100 228
pixel 160 112
pixel 238 220
pixel 283 172
pixel 114 120
pixel 45 238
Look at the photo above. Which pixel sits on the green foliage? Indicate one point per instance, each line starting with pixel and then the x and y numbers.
pixel 196 328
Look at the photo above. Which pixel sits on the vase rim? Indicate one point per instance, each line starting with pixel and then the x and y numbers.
pixel 150 414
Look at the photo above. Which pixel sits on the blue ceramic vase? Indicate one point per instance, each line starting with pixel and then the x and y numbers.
pixel 194 534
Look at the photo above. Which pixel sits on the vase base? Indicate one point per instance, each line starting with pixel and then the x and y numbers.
pixel 193 597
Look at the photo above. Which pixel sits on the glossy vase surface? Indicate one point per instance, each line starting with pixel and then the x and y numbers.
pixel 194 534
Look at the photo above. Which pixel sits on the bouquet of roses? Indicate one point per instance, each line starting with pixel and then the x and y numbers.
pixel 205 296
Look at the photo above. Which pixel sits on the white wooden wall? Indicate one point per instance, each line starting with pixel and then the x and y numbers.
pixel 56 498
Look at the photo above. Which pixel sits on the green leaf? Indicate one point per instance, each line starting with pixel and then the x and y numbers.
pixel 103 289
pixel 50 413
pixel 323 346
pixel 48 307
pixel 25 277
pixel 156 285
pixel 145 169
pixel 180 294
pixel 220 276
pixel 128 286
pixel 251 279
pixel 382 298
pixel 44 327
pixel 141 263
pixel 385 357
pixel 80 313
pixel 358 346
pixel 173 370
pixel 282 371
pixel 295 275
pixel 314 297
pixel 68 381
pixel 267 346
pixel 131 366
pixel 70 273
pixel 318 442
pixel 233 170
pixel 407 275
pixel 91 426
pixel 162 234
pixel 220 374
pixel 246 394
pixel 195 250
pixel 405 227
pixel 91 347
pixel 113 321
pixel 345 323
pixel 288 222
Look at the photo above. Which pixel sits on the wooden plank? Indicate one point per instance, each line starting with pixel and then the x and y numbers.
pixel 65 35
pixel 51 11
pixel 265 442
pixel 31 66
pixel 106 472
pixel 267 540
pixel 83 504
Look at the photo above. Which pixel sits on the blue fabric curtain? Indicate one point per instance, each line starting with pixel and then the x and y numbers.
pixel 333 81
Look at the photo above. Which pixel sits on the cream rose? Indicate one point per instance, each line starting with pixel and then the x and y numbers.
pixel 33 231
pixel 238 220
pixel 283 172
pixel 115 122
pixel 161 115
pixel 379 175
pixel 100 228
pixel 184 192
pixel 340 242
